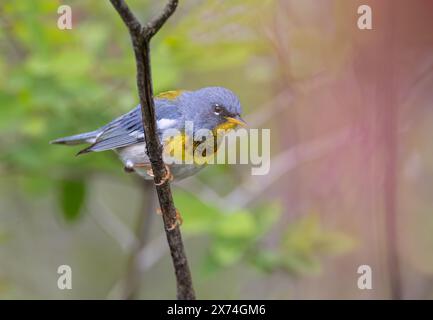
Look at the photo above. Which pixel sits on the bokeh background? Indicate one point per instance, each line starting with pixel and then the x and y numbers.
pixel 350 113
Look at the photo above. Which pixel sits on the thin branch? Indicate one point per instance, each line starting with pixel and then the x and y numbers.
pixel 153 26
pixel 140 37
pixel 127 16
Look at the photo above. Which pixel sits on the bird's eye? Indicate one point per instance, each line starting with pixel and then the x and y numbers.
pixel 217 109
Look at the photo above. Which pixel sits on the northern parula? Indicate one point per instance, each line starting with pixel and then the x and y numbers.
pixel 211 108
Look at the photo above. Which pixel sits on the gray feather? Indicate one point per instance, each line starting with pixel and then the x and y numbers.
pixel 128 130
pixel 88 137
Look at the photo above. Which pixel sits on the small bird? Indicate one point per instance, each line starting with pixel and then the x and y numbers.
pixel 216 109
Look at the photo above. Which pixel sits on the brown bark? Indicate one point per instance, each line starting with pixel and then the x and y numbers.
pixel 140 37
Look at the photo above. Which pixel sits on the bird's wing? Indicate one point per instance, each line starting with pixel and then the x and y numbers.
pixel 127 129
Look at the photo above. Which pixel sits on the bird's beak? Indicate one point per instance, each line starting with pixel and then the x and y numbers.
pixel 237 121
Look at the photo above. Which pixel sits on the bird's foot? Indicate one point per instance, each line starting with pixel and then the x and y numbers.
pixel 130 166
pixel 168 176
pixel 178 221
pixel 128 169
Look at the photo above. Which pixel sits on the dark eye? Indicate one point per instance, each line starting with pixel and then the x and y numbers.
pixel 217 109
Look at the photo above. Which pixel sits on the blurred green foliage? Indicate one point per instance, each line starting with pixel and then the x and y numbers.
pixel 303 245
pixel 58 82
pixel 233 233
pixel 72 194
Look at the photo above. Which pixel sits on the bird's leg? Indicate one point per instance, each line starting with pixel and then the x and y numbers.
pixel 168 176
pixel 129 167
pixel 178 221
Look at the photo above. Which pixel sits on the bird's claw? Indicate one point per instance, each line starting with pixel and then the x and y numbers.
pixel 128 170
pixel 178 221
pixel 168 176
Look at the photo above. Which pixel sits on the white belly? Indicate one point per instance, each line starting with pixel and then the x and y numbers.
pixel 135 154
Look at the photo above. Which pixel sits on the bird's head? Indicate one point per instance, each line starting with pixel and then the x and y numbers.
pixel 212 108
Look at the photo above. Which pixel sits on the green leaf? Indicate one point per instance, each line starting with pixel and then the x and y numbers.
pixel 302 264
pixel 303 245
pixel 267 215
pixel 265 260
pixel 227 252
pixel 71 198
pixel 237 225
pixel 199 217
pixel 336 243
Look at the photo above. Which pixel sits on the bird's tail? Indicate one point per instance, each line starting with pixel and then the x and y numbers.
pixel 88 137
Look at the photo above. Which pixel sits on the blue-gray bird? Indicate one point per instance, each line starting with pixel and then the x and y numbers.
pixel 216 109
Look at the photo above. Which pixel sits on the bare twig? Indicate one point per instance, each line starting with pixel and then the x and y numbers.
pixel 141 37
